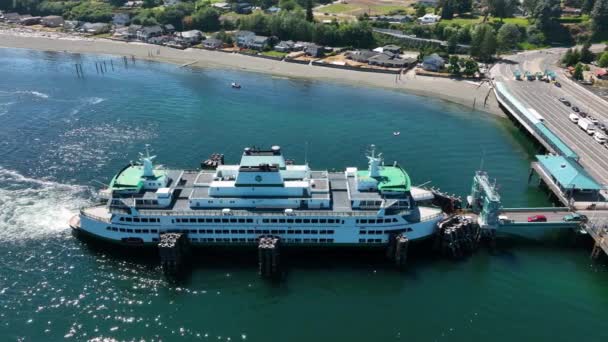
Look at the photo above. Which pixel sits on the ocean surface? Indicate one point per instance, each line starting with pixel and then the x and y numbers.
pixel 61 136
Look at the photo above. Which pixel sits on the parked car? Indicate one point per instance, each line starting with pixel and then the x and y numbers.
pixel 557 84
pixel 575 108
pixel 592 119
pixel 564 101
pixel 574 217
pixel 582 114
pixel 537 218
pixel 504 219
pixel 573 117
pixel 599 137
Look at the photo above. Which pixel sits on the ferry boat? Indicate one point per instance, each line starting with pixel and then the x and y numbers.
pixel 262 195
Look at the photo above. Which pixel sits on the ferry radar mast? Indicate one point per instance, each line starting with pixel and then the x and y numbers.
pixel 146 160
pixel 374 162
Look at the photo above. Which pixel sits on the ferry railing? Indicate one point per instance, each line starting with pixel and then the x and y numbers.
pixel 83 212
pixel 261 213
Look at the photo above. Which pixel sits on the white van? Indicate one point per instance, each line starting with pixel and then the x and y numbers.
pixel 599 137
pixel 574 118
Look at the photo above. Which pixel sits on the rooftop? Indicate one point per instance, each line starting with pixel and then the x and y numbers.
pixel 568 173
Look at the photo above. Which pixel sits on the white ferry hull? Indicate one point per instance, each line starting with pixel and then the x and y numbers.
pixel 244 234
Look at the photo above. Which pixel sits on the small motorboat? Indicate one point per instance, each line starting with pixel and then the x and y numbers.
pixel 235 85
pixel 397 133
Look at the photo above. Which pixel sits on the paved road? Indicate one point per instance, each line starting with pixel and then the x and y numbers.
pixel 543 97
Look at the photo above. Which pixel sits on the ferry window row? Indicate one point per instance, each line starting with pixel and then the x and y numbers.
pixel 312 221
pixel 254 240
pixel 370 240
pixel 213 220
pixel 128 230
pixel 372 232
pixel 140 219
pixel 376 221
pixel 257 231
pixel 146 202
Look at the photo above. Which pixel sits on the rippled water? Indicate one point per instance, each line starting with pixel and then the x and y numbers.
pixel 59 133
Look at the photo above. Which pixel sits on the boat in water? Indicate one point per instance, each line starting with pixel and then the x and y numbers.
pixel 235 85
pixel 262 195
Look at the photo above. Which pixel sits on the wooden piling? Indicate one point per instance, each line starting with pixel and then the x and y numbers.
pixel 96 68
pixel 112 64
pixel 173 250
pixel 269 261
pixel 401 246
pixel 596 251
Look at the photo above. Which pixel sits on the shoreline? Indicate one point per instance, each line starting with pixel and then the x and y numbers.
pixel 463 92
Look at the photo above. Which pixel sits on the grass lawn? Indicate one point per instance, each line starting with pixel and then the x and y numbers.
pixel 339 8
pixel 385 9
pixel 102 35
pixel 274 54
pixel 470 21
pixel 530 46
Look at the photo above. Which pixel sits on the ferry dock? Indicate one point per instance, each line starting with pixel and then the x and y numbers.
pixel 573 168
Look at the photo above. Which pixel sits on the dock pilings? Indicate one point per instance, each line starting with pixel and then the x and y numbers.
pixel 269 261
pixel 457 236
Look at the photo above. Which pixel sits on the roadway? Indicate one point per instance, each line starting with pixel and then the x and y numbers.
pixel 543 97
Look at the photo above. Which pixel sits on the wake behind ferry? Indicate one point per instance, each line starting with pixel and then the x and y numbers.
pixel 264 194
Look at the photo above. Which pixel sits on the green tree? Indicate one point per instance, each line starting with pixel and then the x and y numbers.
pixel 151 3
pixel 599 17
pixel 174 14
pixel 483 42
pixel 92 11
pixel 578 72
pixel 463 6
pixel 529 5
pixel 454 67
pixel 545 13
pixel 567 57
pixel 586 55
pixel 420 11
pixel 287 5
pixel 508 37
pixel 470 67
pixel 206 19
pixel 587 6
pixel 309 15
pixel 502 8
pixel 447 9
pixel 603 60
pixel 452 43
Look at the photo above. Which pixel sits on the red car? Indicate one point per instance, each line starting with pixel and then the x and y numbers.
pixel 537 218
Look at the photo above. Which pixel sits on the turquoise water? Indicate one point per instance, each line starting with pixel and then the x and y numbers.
pixel 59 133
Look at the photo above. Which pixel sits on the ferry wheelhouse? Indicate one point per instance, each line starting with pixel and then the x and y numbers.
pixel 262 195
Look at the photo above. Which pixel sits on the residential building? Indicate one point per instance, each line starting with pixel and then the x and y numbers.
pixel 71 25
pixel 243 37
pixel 95 28
pixel 133 4
pixel 433 62
pixel 314 50
pixel 361 56
pixel 191 37
pixel 52 21
pixel 212 43
pixel 391 48
pixel 273 10
pixel 11 17
pixel 243 8
pixel 224 6
pixel 148 32
pixel 169 28
pixel 284 46
pixel 29 20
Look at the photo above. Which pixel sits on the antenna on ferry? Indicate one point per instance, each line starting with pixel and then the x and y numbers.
pixel 306 153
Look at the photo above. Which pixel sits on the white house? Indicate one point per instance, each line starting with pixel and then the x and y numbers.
pixel 429 19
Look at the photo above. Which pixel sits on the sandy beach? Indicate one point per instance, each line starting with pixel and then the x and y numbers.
pixel 459 91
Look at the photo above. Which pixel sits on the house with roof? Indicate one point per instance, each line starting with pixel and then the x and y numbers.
pixel 284 46
pixel 241 38
pixel 433 62
pixel 29 20
pixel 71 25
pixel 52 21
pixel 169 28
pixel 568 176
pixel 601 74
pixel 391 48
pixel 314 50
pixel 243 8
pixel 212 43
pixel 11 17
pixel 95 28
pixel 361 56
pixel 258 43
pixel 148 32
pixel 191 37
pixel 224 6
pixel 273 10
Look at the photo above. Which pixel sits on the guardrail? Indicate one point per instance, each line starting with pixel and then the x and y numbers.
pixel 94 217
pixel 302 213
pixel 540 209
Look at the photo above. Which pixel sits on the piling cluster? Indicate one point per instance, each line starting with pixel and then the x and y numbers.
pixel 448 203
pixel 269 256
pixel 457 236
pixel 398 244
pixel 173 249
pixel 214 160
